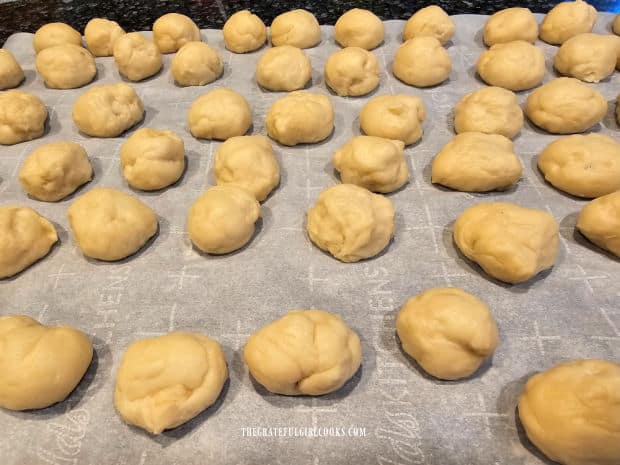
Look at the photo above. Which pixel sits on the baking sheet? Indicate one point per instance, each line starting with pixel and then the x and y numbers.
pixel 390 412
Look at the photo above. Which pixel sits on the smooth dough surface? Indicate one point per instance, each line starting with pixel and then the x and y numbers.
pixel 298 28
pixel 173 30
pixel 422 62
pixel 352 71
pixel 599 221
pixel 567 19
pixel 430 21
pixel 398 117
pixel 283 68
pixel 136 57
pixel 11 73
pixel 616 25
pixel 244 32
pixel 359 28
pixel 196 64
pixel 219 114
pixel 510 24
pixel 22 117
pixel 66 66
pixel 516 65
pixel 51 34
pixel 100 35
pixel 588 57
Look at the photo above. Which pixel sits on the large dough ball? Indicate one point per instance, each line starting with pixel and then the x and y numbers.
pixel 616 25
pixel 396 117
pixel 164 381
pixel 516 65
pixel 300 118
pixel 173 30
pixel 571 412
pixel 477 162
pixel 352 71
pixel 66 66
pixel 350 222
pixel 430 21
pixel 588 57
pixel 136 57
pixel 599 221
pixel 244 32
pixel 510 24
pixel 11 73
pixel 422 62
pixel 567 19
pixel 39 365
pixel 448 331
pixel 298 28
pixel 51 34
pixel 109 224
pixel 196 64
pixel 509 242
pixel 55 170
pixel 22 117
pixel 283 68
pixel 152 159
pixel 100 35
pixel 219 114
pixel 306 352
pixel 359 28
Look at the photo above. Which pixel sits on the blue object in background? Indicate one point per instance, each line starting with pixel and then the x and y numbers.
pixel 612 6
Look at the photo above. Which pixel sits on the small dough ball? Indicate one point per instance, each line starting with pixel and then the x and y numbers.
pixel 528 245
pixel 300 118
pixel 583 165
pixel 152 159
pixel 571 411
pixel 55 170
pixel 447 331
pixel 25 237
pixel 40 365
pixel 396 117
pixel 100 35
pixel 196 64
pixel 509 25
pixel 136 57
pixel 66 66
pixel 51 34
pixel 352 71
pixel 11 73
pixel 372 162
pixel 247 162
pixel 283 68
pixel 244 32
pixel 599 221
pixel 359 28
pixel 109 224
pixel 588 57
pixel 22 117
pixel 422 62
pixel 516 65
pixel 567 19
pixel 565 106
pixel 219 114
pixel 477 162
pixel 430 21
pixel 350 222
pixel 298 28
pixel 108 110
pixel 492 110
pixel 306 352
pixel 222 219
pixel 173 30
pixel 616 25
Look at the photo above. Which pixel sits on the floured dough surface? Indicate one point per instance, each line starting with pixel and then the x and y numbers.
pixel 599 221
pixel 430 21
pixel 219 114
pixel 567 19
pixel 22 117
pixel 397 116
pixel 359 28
pixel 352 71
pixel 516 65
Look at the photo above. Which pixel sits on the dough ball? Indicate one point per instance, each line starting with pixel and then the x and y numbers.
pixel 40 365
pixel 283 68
pixel 359 28
pixel 567 19
pixel 599 221
pixel 22 117
pixel 55 170
pixel 136 57
pixel 66 66
pixel 477 162
pixel 516 65
pixel 565 106
pixel 509 25
pixel 100 35
pixel 570 412
pixel 588 57
pixel 222 219
pixel 300 118
pixel 11 73
pixel 582 165
pixel 429 21
pixel 306 352
pixel 152 159
pixel 616 25
pixel 247 162
pixel 109 224
pixel 51 34
pixel 298 28
pixel 244 32
pixel 422 62
pixel 448 331
pixel 108 110
pixel 25 237
pixel 173 30
pixel 492 110
pixel 397 117
pixel 350 222
pixel 219 114
pixel 352 71
pixel 196 64
pixel 528 245
pixel 372 162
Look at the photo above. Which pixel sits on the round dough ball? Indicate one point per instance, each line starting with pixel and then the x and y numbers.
pixel 244 32
pixel 616 25
pixel 247 162
pixel 100 35
pixel 447 331
pixel 283 68
pixel 477 162
pixel 372 162
pixel 173 30
pixel 429 21
pixel 108 110
pixel 25 237
pixel 567 19
pixel 422 62
pixel 219 114
pixel 51 34
pixel 222 219
pixel 22 117
pixel 516 65
pixel 570 412
pixel 350 222
pixel 359 28
pixel 300 118
pixel 298 28
pixel 565 106
pixel 492 110
pixel 196 64
pixel 40 365
pixel 152 159
pixel 136 57
pixel 66 66
pixel 529 242
pixel 397 117
pixel 55 170
pixel 588 57
pixel 11 73
pixel 352 71
pixel 109 224
pixel 510 24
pixel 599 221
pixel 306 352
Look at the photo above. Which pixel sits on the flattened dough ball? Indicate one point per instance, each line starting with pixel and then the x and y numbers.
pixel 11 73
pixel 429 21
pixel 599 221
pixel 136 57
pixel 283 68
pixel 298 28
pixel 397 117
pixel 219 114
pixel 359 28
pixel 510 24
pixel 100 35
pixel 422 62
pixel 516 65
pixel 244 32
pixel 588 57
pixel 173 30
pixel 51 34
pixel 66 66
pixel 22 117
pixel 306 352
pixel 196 64
pixel 352 71
pixel 567 19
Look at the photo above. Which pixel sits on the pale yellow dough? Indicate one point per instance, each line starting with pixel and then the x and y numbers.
pixel 567 19
pixel 136 57
pixel 352 71
pixel 516 65
pixel 616 25
pixel 588 57
pixel 283 68
pixel 100 35
pixel 429 21
pixel 244 32
pixel 298 28
pixel 11 73
pixel 219 114
pixel 599 221
pixel 173 30
pixel 422 62
pixel 359 28
pixel 22 117
pixel 510 24
pixel 196 64
pixel 51 34
pixel 398 116
pixel 66 66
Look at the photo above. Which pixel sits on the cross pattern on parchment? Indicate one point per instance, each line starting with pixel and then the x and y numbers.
pixel 182 276
pixel 447 276
pixel 585 279
pixel 485 416
pixel 171 325
pixel 314 409
pixel 612 325
pixel 540 339
pixel 238 337
pixel 59 275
